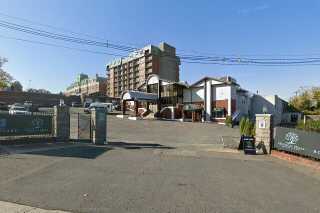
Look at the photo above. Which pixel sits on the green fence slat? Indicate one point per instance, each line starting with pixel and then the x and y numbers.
pixel 20 125
pixel 297 141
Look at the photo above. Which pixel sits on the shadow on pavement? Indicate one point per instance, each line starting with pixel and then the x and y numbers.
pixel 89 152
pixel 138 145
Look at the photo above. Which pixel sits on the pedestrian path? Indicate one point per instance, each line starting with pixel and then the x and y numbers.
pixel 6 207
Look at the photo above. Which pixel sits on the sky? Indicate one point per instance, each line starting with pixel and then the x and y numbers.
pixel 257 28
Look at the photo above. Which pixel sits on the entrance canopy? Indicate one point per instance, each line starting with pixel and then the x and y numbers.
pixel 138 96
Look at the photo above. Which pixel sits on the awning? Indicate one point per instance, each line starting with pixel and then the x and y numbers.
pixel 133 95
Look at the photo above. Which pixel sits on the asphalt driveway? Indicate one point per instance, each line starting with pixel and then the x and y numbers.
pixel 154 174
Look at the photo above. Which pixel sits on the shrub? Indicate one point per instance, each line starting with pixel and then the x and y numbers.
pixel 229 121
pixel 242 125
pixel 310 125
pixel 247 127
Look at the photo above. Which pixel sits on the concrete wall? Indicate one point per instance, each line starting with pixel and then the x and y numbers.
pixel 221 93
pixel 243 103
pixel 270 105
pixel 225 97
pixel 168 63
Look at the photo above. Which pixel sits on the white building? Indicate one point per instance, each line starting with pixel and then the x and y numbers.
pixel 218 97
pixel 213 99
pixel 221 97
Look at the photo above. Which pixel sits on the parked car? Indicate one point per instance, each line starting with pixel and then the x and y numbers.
pixel 116 106
pixel 86 104
pixel 75 104
pixel 108 106
pixel 30 106
pixel 18 110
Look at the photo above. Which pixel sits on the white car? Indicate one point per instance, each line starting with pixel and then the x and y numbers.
pixel 108 106
pixel 18 110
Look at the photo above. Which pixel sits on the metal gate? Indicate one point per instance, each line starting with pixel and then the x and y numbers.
pixel 80 127
pixel 28 124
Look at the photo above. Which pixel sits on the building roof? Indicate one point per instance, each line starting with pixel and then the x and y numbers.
pixel 137 53
pixel 224 80
pixel 181 83
pixel 241 90
pixel 133 95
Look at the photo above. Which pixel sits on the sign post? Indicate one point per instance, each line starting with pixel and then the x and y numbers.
pixel 264 133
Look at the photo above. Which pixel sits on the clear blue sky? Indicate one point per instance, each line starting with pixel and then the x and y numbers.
pixel 208 27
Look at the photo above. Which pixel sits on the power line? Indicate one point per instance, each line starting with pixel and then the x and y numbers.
pixel 183 51
pixel 35 23
pixel 185 58
pixel 61 46
pixel 43 33
pixel 118 55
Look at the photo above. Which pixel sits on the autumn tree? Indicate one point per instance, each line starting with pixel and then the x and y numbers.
pixel 307 100
pixel 5 77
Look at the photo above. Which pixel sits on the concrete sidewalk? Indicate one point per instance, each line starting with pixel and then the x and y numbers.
pixel 6 207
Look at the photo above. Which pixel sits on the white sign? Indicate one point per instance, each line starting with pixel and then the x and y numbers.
pixel 262 124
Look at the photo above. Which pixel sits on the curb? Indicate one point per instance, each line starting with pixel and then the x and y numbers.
pixel 296 159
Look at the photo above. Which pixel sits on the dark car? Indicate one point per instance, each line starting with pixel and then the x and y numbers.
pixel 76 104
pixel 3 106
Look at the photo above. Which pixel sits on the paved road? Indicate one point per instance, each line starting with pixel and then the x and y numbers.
pixel 8 207
pixel 155 177
pixel 170 132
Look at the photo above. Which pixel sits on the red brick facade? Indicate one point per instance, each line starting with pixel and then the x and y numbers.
pixel 36 98
pixel 220 104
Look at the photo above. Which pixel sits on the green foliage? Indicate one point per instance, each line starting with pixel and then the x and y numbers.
pixel 307 100
pixel 312 112
pixel 242 125
pixel 5 77
pixel 229 120
pixel 16 86
pixel 247 127
pixel 3 84
pixel 310 125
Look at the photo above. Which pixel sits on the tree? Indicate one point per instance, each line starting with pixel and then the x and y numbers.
pixel 307 100
pixel 5 78
pixel 316 96
pixel 16 86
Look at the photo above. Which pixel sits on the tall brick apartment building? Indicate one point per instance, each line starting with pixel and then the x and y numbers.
pixel 131 72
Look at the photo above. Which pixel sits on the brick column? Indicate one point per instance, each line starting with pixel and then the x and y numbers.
pixel 61 123
pixel 264 132
pixel 99 126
